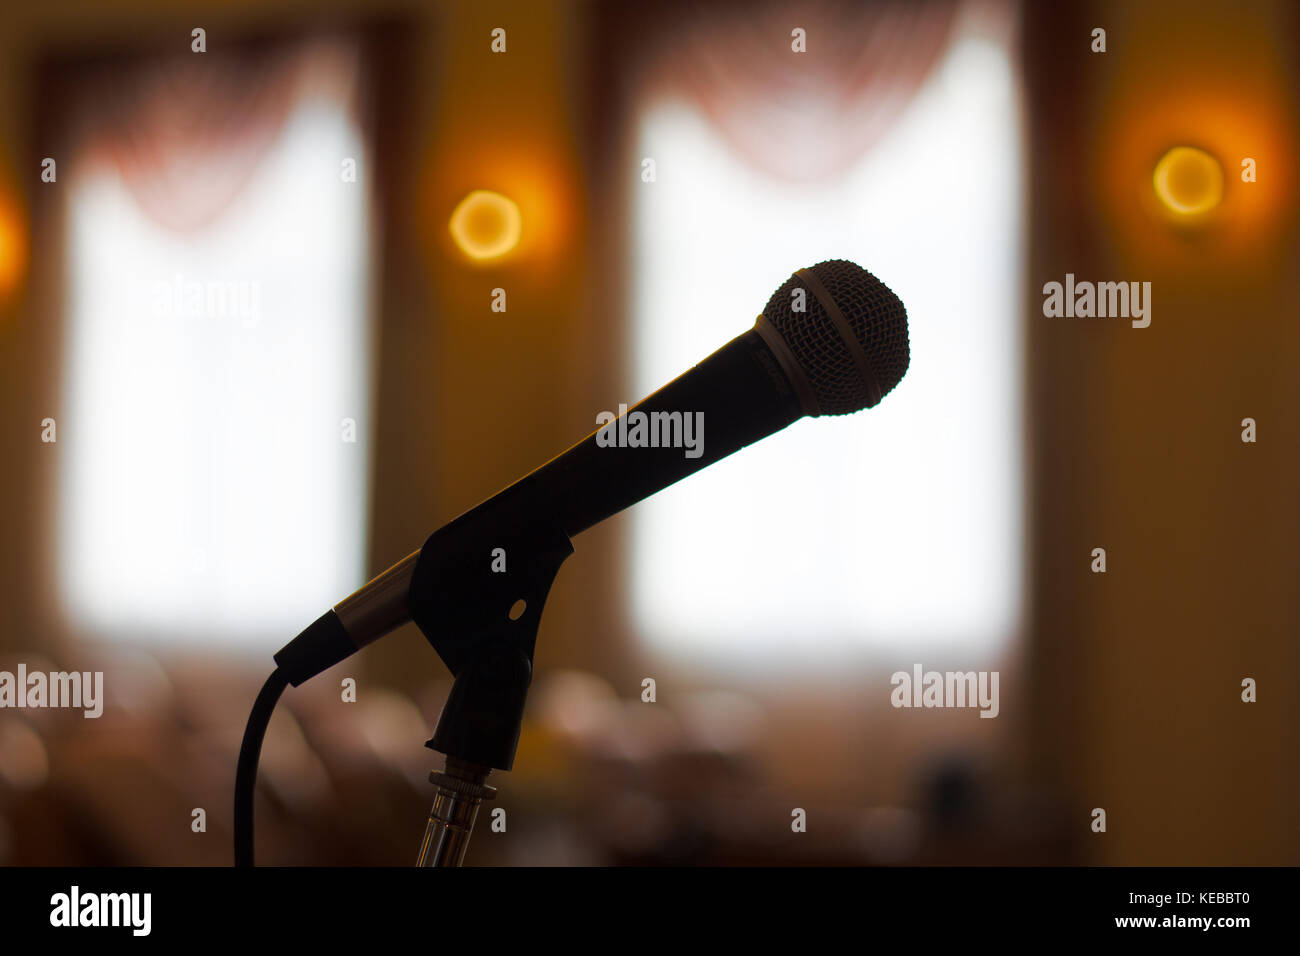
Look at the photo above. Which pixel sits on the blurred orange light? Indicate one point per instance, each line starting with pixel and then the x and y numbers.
pixel 1189 180
pixel 486 224
pixel 13 247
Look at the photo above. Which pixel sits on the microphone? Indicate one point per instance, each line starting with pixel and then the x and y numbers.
pixel 832 340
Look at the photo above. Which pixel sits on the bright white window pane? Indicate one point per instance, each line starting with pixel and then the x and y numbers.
pixel 898 529
pixel 206 493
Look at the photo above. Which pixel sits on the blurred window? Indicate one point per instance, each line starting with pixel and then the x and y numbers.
pixel 216 341
pixel 894 531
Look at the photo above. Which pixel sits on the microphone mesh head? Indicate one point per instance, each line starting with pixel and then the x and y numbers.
pixel 876 318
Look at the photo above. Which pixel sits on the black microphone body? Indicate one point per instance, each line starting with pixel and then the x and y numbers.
pixel 738 393
pixel 810 362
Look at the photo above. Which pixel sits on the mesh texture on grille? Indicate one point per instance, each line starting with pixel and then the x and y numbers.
pixel 878 320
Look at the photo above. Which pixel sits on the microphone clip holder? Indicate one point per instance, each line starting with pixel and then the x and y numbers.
pixel 477 594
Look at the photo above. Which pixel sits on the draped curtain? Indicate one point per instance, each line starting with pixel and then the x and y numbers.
pixel 810 115
pixel 186 133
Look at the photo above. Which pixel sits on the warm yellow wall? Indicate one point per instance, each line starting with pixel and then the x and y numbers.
pixel 1138 437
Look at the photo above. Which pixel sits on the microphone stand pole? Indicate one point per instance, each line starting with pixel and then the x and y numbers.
pixel 460 793
pixel 477 594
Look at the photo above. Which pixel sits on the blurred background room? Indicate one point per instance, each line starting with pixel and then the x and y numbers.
pixel 273 310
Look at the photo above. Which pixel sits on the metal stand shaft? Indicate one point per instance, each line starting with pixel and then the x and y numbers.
pixel 460 792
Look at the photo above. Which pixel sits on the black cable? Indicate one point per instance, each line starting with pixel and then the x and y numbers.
pixel 246 771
